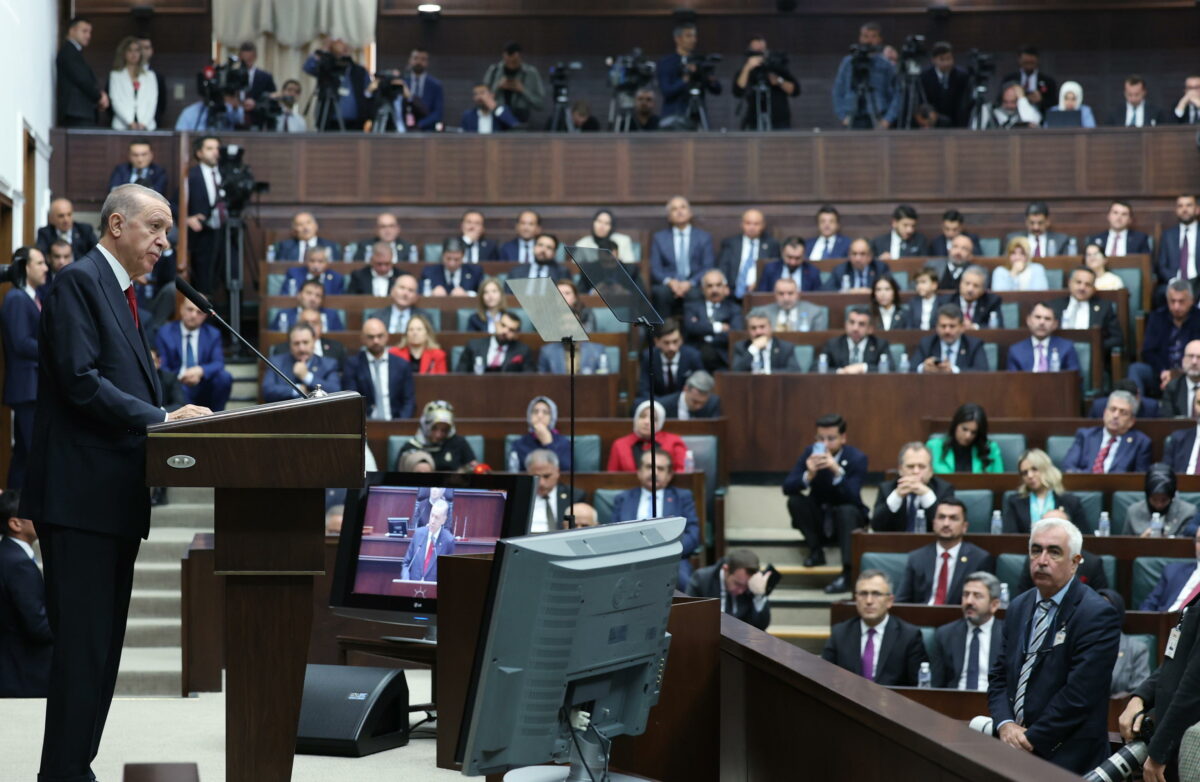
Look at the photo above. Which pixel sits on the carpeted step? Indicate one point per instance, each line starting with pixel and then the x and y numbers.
pixel 150 671
pixel 157 632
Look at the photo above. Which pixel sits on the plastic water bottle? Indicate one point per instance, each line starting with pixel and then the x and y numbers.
pixel 689 461
pixel 514 462
pixel 803 323
pixel 921 525
pixel 845 282
pixel 412 254
pixel 1072 246
pixel 1055 360
pixel 823 364
pixel 903 366
pixel 426 286
pixel 884 364
pixel 997 523
pixel 602 364
pixel 925 677
pixel 1105 528
pixel 994 320
pixel 1003 594
pixel 479 365
pixel 270 252
pixel 1156 526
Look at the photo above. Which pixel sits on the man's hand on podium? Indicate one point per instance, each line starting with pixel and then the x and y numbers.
pixel 188 411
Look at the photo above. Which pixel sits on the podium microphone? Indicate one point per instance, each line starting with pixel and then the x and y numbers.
pixel 201 301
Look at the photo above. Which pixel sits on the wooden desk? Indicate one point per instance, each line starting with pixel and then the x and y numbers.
pixel 965 706
pixel 477 396
pixel 1037 430
pixel 999 483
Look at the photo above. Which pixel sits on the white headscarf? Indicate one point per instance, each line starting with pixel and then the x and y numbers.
pixel 1070 86
pixel 658 417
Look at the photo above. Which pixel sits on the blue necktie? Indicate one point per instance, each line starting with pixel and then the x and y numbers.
pixel 189 359
pixel 683 264
pixel 747 264
pixel 911 502
pixel 973 661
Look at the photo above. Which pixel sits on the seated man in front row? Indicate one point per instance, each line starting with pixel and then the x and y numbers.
pixel 635 504
pixel 892 652
pixel 428 543
pixel 970 646
pixel 917 489
pixel 696 400
pixel 301 366
pixel 450 277
pixel 951 350
pixel 1178 584
pixel 310 297
pixel 191 350
pixel 934 574
pixel 1114 447
pixel 740 585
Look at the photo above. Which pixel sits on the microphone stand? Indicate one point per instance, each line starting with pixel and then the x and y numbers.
pixel 653 459
pixel 570 514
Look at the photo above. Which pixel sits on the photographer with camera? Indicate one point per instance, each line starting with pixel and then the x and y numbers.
pixel 342 100
pixel 765 83
pixel 864 90
pixel 393 105
pixel 288 119
pixel 515 83
pixel 219 107
pixel 945 86
pixel 258 81
pixel 683 79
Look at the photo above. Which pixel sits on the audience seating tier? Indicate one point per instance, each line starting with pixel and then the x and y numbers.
pixel 1054 434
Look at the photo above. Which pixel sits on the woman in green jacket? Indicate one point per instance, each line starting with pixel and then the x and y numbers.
pixel 966 447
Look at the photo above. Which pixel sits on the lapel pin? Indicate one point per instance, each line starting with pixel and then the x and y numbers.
pixel 964 559
pixel 1129 439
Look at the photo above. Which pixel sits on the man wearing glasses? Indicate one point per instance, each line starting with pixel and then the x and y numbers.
pixel 885 649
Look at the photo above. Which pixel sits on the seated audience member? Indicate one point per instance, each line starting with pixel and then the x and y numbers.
pixel 858 352
pixel 581 119
pixel 419 347
pixel 501 352
pixel 1041 490
pixel 969 647
pixel 902 241
pixel 789 313
pixel 304 236
pixel 1180 451
pixel 1133 658
pixel 542 417
pixel 1135 111
pixel 760 352
pixel 670 362
pixel 554 500
pixel 679 255
pixel 194 116
pixel 173 399
pixel 140 169
pixel 422 507
pixel 1179 396
pixel 155 292
pixel 1090 571
pixel 310 297
pixel 859 271
pixel 190 349
pixel 604 236
pixel 791 266
pixel 707 323
pixel 520 248
pixel 451 277
pixel 885 304
pixel 478 247
pixel 934 574
pixel 404 298
pixel 26 641
pixel 950 350
pixel 60 256
pixel 1187 110
pixel 384 379
pixel 570 293
pixel 979 308
pixel 829 243
pixel 920 311
pixel 966 447
pixel 626 450
pixel 737 580
pixel 847 648
pixel 1147 407
pixel 316 268
pixel 1094 259
pixel 20 318
pixel 1161 498
pixel 387 230
pixel 326 348
pixel 552 359
pixel 428 543
pixel 302 366
pixel 1042 241
pixel 437 437
pixel 739 255
pixel 1177 586
pixel 545 248
pixel 485 114
pixel 333 519
pixel 1083 309
pixel 377 278
pixel 635 504
pixel 1168 330
pixel 961 256
pixel 953 225
pixel 1020 274
pixel 489 307
pixel 1012 109
pixel 1177 252
pixel 917 489
pixel 696 400
pixel 1070 98
pixel 643 117
pixel 1114 447
pixel 415 461
pixel 946 85
pixel 1120 240
pixel 1037 353
pixel 62 225
pixel 833 472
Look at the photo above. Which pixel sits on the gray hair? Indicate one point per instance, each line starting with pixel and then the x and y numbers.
pixel 700 380
pixel 1074 536
pixel 318 250
pixel 715 273
pixel 126 200
pixel 915 445
pixel 761 312
pixel 978 270
pixel 988 580
pixel 439 506
pixel 873 573
pixel 541 456
pixel 1178 285
pixel 1125 397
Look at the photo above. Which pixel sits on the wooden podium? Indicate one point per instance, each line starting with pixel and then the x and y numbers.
pixel 270 466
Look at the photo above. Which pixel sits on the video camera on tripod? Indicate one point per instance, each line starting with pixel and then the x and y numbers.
pixel 217 81
pixel 330 67
pixel 979 74
pixel 705 69
pixel 630 72
pixel 237 180
pixel 772 62
pixel 560 120
pixel 911 54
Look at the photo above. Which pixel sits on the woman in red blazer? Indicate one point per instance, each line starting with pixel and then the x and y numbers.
pixel 419 347
pixel 622 455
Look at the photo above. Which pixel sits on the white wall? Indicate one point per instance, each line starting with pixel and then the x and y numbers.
pixel 28 32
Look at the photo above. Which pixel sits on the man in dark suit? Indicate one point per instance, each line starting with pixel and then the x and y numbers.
pixel 1041 89
pixel 707 323
pixel 1147 407
pixel 261 82
pixel 310 297
pixel 1187 110
pixel 26 642
pixel 479 247
pixel 833 473
pixel 387 229
pixel 501 352
pixel 62 226
pixel 1176 587
pixel 304 236
pixel 901 502
pixel 1037 353
pixel 635 504
pixel 487 115
pixel 206 213
pixel 946 85
pixel 423 506
pixel 19 319
pixel 425 89
pixel 1114 447
pixel 404 299
pixel 1168 330
pixel 1048 701
pixel 384 380
pixel 793 266
pixel 696 400
pixel 352 104
pixel 953 225
pixel 677 75
pixel 858 273
pixel 670 363
pixel 554 500
pixel 737 581
pixel 190 349
pixel 140 169
pixel 1177 247
pixel 934 574
pixel 428 543
pixel 377 278
pixel 520 248
pixel 79 93
pixel 829 243
pixel 322 347
pixel 970 646
pixel 858 352
pixel 739 255
pixel 760 352
pixel 979 307
pixel 1178 450
pixel 679 255
pixel 451 277
pixel 1135 111
pixel 1083 309
pixel 903 240
pixel 893 651
pixel 1120 240
pixel 301 365
pixel 545 247
pixel 85 491
pixel 1042 241
pixel 951 350
pixel 316 269
pixel 1179 395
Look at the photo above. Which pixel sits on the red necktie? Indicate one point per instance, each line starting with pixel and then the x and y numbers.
pixel 1037 248
pixel 497 358
pixel 132 299
pixel 939 597
pixel 1098 465
pixel 1112 245
pixel 428 555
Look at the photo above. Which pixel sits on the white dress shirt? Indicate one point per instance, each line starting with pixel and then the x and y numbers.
pixel 985 650
pixel 673 365
pixel 545 513
pixel 28 549
pixel 1192 388
pixel 472 253
pixel 928 307
pixel 290 122
pixel 896 244
pixel 31 292
pixel 1188 586
pixel 948 353
pixel 856 352
pixel 495 348
pixel 937 568
pixel 381 286
pixel 644 509
pixel 122 280
pixel 862 641
pixel 1112 451
pixel 681 410
pixel 211 177
pixel 1135 116
pixel 887 316
pixel 821 249
pixel 1189 231
pixel 484 118
pixel 683 235
pixel 526 251
pixel 1121 238
pixel 1192 456
pixel 751 249
pixel 763 355
pixel 925 501
pixel 1076 315
pixel 1039 246
pixel 398 319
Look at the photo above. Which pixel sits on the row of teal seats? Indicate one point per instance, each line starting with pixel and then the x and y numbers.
pixel 432 251
pixel 606 321
pixel 981 502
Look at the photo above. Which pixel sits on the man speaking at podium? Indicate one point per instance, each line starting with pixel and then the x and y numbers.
pixel 86 492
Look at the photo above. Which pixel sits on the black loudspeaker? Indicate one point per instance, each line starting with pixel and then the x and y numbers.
pixel 352 711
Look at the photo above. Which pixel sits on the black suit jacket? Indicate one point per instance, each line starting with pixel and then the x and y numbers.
pixel 83 239
pixel 155 178
pixel 950 101
pixel 1136 242
pixel 971 357
pixel 729 257
pixel 1179 451
pixel 917 585
pixel 938 247
pixel 517 358
pixel 1174 399
pixel 78 89
pixel 915 245
pixel 25 638
pixel 882 518
pixel 706 582
pixel 1047 86
pixel 362 250
pixel 783 357
pixel 1016 516
pixel 401 393
pixel 360 281
pixel 985 305
pixel 698 327
pixel 97 393
pixel 900 655
pixel 951 640
pixel 689 362
pixel 1151 115
pixel 1101 314
pixel 1172 692
pixel 875 269
pixel 838 352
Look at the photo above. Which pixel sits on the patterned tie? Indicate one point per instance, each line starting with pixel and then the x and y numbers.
pixel 943 584
pixel 1037 247
pixel 1098 464
pixel 973 661
pixel 132 299
pixel 868 656
pixel 1041 359
pixel 1040 626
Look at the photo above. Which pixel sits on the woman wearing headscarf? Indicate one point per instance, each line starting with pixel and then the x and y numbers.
pixel 1041 490
pixel 604 236
pixel 626 451
pixel 542 417
pixel 436 436
pixel 1160 498
pixel 1070 98
pixel 1133 658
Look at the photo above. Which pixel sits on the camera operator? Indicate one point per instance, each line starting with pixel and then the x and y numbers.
pixel 196 115
pixel 864 90
pixel 945 86
pixel 342 84
pixel 764 66
pixel 425 88
pixel 258 81
pixel 390 87
pixel 289 119
pixel 678 70
pixel 515 83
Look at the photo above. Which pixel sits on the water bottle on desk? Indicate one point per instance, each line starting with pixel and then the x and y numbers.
pixel 689 461
pixel 803 323
pixel 271 252
pixel 903 366
pixel 823 364
pixel 412 254
pixel 514 462
pixel 994 320
pixel 1156 525
pixel 884 361
pixel 845 282
pixel 479 365
pixel 602 363
pixel 1003 594
pixel 1072 246
pixel 1105 527
pixel 426 286
pixel 1055 360
pixel 920 522
pixel 997 523
pixel 925 677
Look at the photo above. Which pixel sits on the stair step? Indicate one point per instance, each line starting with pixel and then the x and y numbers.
pixel 156 575
pixel 152 632
pixel 201 496
pixel 182 514
pixel 150 671
pixel 155 604
pixel 168 544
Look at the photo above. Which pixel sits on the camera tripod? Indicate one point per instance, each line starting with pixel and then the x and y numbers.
pixel 762 105
pixel 560 120
pixel 912 93
pixel 695 117
pixel 864 112
pixel 385 117
pixel 327 104
pixel 620 111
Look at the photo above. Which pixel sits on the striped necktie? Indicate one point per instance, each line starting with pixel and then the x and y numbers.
pixel 1040 627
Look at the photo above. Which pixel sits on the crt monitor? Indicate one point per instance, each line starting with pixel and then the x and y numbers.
pixel 396 526
pixel 574 621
